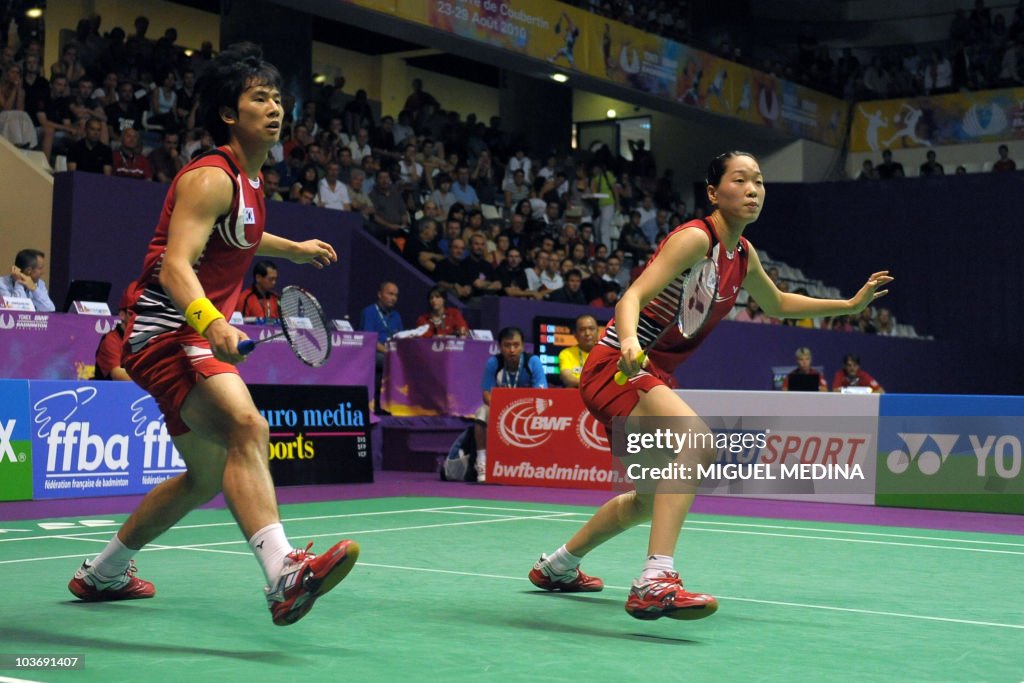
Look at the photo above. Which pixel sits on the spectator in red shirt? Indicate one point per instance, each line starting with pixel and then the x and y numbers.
pixel 1005 163
pixel 443 321
pixel 261 301
pixel 852 376
pixel 128 159
pixel 108 353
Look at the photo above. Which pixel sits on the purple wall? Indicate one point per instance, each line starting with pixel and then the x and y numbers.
pixel 953 243
pixel 101 226
pixel 741 355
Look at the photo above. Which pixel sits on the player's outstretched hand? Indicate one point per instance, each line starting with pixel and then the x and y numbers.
pixel 315 252
pixel 871 291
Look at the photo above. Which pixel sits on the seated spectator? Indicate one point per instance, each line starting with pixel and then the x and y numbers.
pixel 128 159
pixel 632 239
pixel 512 367
pixel 852 376
pixel 516 191
pixel 383 319
pixel 615 272
pixel 512 276
pixel 332 192
pixel 422 251
pixel 752 313
pixel 1005 163
pixel 840 323
pixel 166 159
pixel 464 193
pixel 867 171
pixel 26 280
pixel 108 353
pixel 477 267
pixel 261 301
pixel 56 119
pixel 866 323
pixel 803 368
pixel 410 171
pixel 15 123
pixel 360 200
pixel 450 274
pixel 931 167
pixel 595 285
pixel 608 299
pixel 390 219
pixel 272 185
pixel 443 321
pixel 884 324
pixel 89 154
pixel 125 112
pixel 570 292
pixel 889 168
pixel 572 359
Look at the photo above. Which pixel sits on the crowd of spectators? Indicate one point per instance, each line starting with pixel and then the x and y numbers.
pixel 984 50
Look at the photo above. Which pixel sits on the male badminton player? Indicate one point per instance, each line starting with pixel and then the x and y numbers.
pixel 179 348
pixel 735 188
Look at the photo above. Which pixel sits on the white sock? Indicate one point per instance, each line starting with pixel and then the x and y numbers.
pixel 114 559
pixel 271 546
pixel 563 562
pixel 481 460
pixel 657 565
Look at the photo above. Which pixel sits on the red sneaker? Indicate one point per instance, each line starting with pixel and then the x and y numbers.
pixel 575 581
pixel 665 597
pixel 86 585
pixel 306 577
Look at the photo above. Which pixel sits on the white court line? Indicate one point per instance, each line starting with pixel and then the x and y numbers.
pixel 286 520
pixel 902 615
pixel 6 679
pixel 239 541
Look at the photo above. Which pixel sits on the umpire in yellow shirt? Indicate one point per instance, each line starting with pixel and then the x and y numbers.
pixel 571 360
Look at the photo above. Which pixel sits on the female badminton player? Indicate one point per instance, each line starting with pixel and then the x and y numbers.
pixel 735 188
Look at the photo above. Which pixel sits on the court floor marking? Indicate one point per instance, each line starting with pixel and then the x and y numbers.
pixel 547 515
pixel 777 603
pixel 283 520
pixel 202 546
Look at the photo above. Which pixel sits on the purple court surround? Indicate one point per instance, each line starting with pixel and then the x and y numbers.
pixel 401 484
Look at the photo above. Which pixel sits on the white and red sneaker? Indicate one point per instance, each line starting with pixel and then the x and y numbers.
pixel 306 577
pixel 665 596
pixel 87 585
pixel 542 576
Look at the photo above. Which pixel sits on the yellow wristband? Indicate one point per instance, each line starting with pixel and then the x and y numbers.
pixel 201 313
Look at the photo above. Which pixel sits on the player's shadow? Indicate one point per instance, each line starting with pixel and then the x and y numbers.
pixel 585 598
pixel 578 629
pixel 68 642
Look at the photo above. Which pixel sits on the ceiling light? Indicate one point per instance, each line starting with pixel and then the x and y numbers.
pixel 561 78
pixel 611 113
pixel 34 13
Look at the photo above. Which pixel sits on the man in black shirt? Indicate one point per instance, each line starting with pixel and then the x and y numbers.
pixel 89 154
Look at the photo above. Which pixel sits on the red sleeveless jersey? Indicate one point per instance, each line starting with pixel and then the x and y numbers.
pixel 672 349
pixel 221 267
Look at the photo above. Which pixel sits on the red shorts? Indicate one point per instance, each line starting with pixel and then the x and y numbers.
pixel 603 397
pixel 169 366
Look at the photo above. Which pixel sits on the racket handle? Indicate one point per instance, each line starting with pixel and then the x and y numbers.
pixel 621 378
pixel 246 346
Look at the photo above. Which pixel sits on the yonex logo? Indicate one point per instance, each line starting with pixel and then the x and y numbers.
pixel 928 461
pixel 1004 451
pixel 6 447
pixel 437 347
pixel 591 432
pixel 6 322
pixel 522 423
pixel 103 326
pixel 493 349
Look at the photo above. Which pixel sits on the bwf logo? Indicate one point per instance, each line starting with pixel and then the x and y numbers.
pixel 930 451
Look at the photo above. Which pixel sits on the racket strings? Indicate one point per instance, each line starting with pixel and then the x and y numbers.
pixel 305 326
